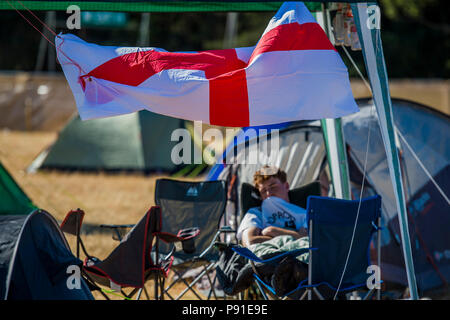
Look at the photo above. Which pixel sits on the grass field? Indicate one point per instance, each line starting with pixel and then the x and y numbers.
pixel 105 198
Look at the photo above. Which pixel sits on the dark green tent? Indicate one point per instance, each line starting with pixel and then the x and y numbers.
pixel 12 198
pixel 140 141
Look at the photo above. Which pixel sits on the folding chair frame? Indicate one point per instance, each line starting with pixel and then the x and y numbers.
pixel 313 289
pixel 158 278
pixel 197 260
pixel 206 269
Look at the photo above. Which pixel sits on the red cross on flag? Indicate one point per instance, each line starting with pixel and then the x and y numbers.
pixel 293 73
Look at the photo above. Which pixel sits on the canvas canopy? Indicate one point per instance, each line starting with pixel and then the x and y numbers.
pixel 135 142
pixel 13 199
pixel 302 154
pixel 35 258
pixel 165 6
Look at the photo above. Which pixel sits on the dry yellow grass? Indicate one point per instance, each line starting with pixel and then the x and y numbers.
pixel 106 198
pixel 112 199
pixel 118 198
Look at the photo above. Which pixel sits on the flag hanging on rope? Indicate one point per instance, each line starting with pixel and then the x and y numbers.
pixel 293 73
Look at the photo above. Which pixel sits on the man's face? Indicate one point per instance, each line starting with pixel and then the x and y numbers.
pixel 273 187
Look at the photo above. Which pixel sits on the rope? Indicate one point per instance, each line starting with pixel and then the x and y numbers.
pixel 429 257
pixel 48 28
pixel 359 208
pixel 364 174
pixel 114 293
pixel 357 69
pixel 422 166
pixel 399 133
pixel 58 49
pixel 364 170
pixel 31 24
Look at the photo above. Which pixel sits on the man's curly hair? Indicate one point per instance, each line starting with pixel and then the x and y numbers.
pixel 262 175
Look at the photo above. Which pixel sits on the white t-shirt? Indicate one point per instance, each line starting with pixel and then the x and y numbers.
pixel 275 212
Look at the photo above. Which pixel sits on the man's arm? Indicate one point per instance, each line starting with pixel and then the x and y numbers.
pixel 253 235
pixel 276 231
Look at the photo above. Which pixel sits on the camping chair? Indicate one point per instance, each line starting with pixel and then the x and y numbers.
pixel 250 198
pixel 331 268
pixel 331 226
pixel 186 205
pixel 130 264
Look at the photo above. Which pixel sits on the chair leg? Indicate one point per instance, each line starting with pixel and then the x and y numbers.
pixel 369 294
pixel 132 293
pixel 161 287
pixel 146 293
pixel 194 282
pixel 78 236
pixel 180 278
pixel 93 284
pixel 189 286
pixel 265 297
pixel 211 284
pixel 304 294
pixel 379 255
pixel 318 293
pixel 166 290
pixel 138 297
pixel 243 295
pixel 156 284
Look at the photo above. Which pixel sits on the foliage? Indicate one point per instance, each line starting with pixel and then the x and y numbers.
pixel 415 36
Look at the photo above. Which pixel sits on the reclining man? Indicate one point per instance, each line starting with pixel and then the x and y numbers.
pixel 276 226
pixel 277 216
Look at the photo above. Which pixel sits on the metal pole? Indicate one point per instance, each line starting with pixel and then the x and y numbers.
pixel 144 30
pixel 370 38
pixel 43 45
pixel 379 255
pixel 51 57
pixel 230 30
pixel 334 137
pixel 310 261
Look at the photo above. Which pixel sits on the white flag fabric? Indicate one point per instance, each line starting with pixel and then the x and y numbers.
pixel 293 73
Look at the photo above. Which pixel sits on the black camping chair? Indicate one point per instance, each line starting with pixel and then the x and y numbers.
pixel 251 198
pixel 192 205
pixel 130 264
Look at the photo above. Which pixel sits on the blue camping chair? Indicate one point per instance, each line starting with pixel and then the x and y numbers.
pixel 331 225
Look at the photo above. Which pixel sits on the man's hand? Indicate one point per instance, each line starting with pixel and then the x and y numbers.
pixel 253 235
pixel 273 231
pixel 256 235
pixel 276 231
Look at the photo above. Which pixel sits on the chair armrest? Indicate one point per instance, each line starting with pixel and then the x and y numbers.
pixel 72 222
pixel 245 252
pixel 182 235
pixel 188 233
pixel 227 229
pixel 223 245
pixel 112 226
pixel 185 236
pixel 166 237
pixel 170 254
